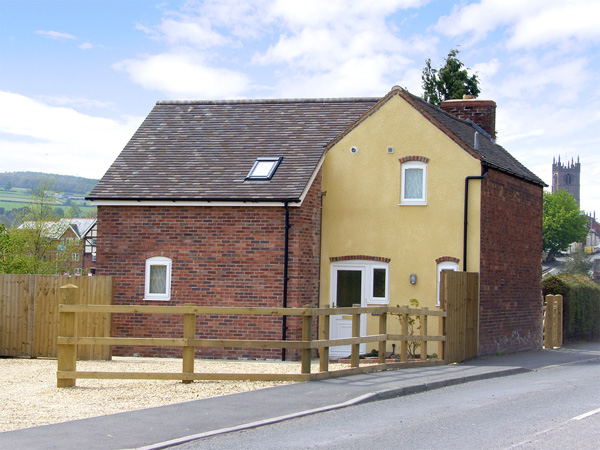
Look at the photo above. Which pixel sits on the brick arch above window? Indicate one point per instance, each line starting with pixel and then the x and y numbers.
pixel 359 258
pixel 447 258
pixel 423 159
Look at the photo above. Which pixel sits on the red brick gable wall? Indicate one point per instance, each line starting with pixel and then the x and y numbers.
pixel 510 308
pixel 221 256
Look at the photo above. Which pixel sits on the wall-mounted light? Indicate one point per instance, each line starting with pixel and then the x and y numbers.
pixel 413 278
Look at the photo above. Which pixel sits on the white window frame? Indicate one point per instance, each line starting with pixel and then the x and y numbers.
pixel 158 261
pixel 413 201
pixel 444 265
pixel 371 299
pixel 257 171
pixel 368 268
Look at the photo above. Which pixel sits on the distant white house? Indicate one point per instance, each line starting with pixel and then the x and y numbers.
pixel 77 236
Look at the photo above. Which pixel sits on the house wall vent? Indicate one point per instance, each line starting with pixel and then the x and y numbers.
pixel 354 150
pixel 390 149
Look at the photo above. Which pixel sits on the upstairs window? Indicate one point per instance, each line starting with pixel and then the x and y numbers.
pixel 414 183
pixel 158 279
pixel 264 168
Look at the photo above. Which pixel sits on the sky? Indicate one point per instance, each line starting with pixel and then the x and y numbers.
pixel 77 77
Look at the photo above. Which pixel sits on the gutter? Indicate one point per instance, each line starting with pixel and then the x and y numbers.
pixel 163 200
pixel 466 208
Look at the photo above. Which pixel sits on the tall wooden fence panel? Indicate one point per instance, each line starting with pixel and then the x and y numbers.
pixel 460 297
pixel 29 314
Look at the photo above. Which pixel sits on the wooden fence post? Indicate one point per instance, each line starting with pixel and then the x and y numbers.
pixel 423 321
pixel 549 322
pixel 67 327
pixel 382 344
pixel 324 354
pixel 355 355
pixel 559 320
pixel 306 338
pixel 189 351
pixel 404 331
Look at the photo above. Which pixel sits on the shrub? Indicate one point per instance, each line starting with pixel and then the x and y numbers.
pixel 581 305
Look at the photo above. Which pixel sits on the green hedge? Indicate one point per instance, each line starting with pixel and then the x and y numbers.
pixel 581 305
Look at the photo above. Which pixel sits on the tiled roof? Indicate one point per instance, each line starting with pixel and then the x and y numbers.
pixel 55 230
pixel 204 150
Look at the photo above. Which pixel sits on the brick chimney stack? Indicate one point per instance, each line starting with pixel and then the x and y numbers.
pixel 482 112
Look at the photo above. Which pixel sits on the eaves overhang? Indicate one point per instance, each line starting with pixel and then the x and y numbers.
pixel 142 201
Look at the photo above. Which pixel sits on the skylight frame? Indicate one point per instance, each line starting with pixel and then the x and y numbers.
pixel 266 172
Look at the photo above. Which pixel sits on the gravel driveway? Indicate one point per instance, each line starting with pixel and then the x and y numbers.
pixel 29 396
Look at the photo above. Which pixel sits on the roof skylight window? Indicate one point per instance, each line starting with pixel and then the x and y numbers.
pixel 264 168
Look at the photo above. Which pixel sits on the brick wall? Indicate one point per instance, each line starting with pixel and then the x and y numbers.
pixel 482 112
pixel 510 312
pixel 221 256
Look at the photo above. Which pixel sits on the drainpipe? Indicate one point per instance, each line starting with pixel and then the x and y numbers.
pixel 286 253
pixel 481 177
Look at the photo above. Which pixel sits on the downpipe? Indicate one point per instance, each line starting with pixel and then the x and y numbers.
pixel 466 209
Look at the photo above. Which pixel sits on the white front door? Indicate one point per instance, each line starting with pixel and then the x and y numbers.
pixel 347 289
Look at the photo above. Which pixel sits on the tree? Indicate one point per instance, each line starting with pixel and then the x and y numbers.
pixel 563 222
pixel 12 256
pixel 451 81
pixel 32 247
pixel 578 263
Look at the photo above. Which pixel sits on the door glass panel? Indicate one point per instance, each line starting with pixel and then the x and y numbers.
pixel 349 288
pixel 379 283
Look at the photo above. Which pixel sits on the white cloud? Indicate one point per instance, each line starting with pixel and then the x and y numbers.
pixel 74 102
pixel 340 43
pixel 559 23
pixel 197 33
pixel 38 137
pixel 531 23
pixel 183 75
pixel 55 35
pixel 558 81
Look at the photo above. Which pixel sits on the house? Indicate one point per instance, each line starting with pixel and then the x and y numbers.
pixel 318 202
pixel 75 250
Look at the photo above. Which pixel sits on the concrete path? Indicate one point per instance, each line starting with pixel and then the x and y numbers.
pixel 161 427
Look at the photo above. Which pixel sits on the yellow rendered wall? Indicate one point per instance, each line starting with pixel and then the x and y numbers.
pixel 362 214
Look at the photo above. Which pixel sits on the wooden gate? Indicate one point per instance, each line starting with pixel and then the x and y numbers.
pixel 29 314
pixel 459 295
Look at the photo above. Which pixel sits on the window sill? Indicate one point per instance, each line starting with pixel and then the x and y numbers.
pixel 412 204
pixel 156 299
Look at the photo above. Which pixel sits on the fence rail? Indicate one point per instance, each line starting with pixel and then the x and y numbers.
pixel 69 340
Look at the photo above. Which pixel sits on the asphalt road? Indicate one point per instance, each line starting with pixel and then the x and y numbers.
pixel 551 408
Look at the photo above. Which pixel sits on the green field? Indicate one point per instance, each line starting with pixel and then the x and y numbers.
pixel 18 198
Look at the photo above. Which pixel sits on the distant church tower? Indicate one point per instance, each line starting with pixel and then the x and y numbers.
pixel 566 176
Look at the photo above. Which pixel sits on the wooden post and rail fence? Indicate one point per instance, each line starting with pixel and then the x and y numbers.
pixel 33 324
pixel 69 340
